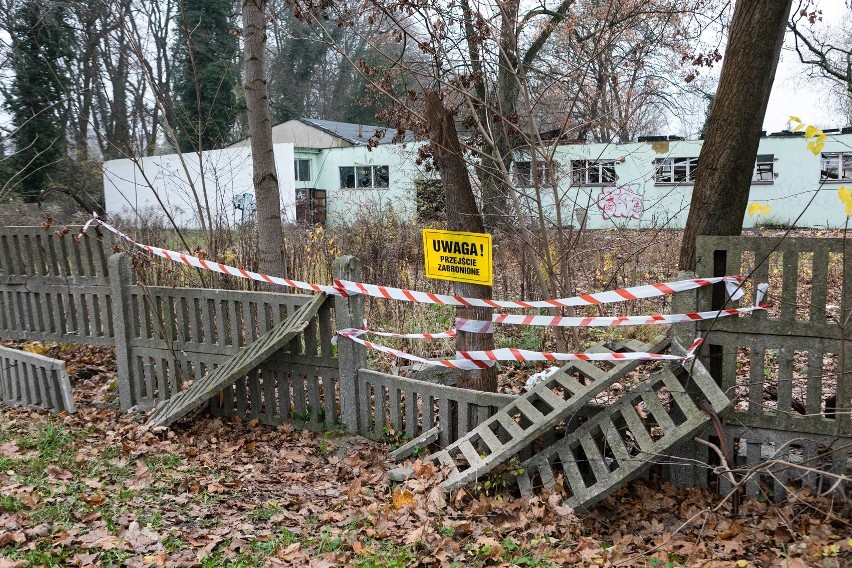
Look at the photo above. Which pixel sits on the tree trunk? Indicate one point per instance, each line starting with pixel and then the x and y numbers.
pixel 726 162
pixel 462 215
pixel 267 196
pixel 495 190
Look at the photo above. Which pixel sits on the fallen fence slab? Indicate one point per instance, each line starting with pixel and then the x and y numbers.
pixel 237 366
pixel 623 440
pixel 28 379
pixel 428 437
pixel 516 425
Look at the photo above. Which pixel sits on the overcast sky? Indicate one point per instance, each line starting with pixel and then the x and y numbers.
pixel 792 94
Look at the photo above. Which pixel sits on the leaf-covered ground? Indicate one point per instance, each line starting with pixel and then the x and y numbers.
pixel 98 489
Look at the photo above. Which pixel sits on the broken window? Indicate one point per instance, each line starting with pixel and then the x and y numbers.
pixel 347 177
pixel 836 166
pixel 764 169
pixel 593 172
pixel 364 177
pixel 675 170
pixel 381 176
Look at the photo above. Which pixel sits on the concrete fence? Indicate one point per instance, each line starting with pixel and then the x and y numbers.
pixel 793 404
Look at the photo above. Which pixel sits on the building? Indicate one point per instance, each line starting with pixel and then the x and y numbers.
pixel 332 172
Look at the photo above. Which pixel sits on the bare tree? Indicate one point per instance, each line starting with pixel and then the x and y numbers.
pixel 830 58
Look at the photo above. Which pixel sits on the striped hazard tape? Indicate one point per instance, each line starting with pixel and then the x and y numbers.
pixel 597 298
pixel 190 260
pixel 524 355
pixel 346 287
pixel 461 364
pixel 479 326
pixel 449 334
pixel 473 326
pixel 470 360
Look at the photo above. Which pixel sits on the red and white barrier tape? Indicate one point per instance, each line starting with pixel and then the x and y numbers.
pixel 449 334
pixel 607 297
pixel 473 326
pixel 523 355
pixel 190 260
pixel 346 287
pixel 462 364
pixel 480 326
pixel 488 358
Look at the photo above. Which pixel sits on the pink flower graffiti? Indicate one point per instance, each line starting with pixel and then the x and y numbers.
pixel 622 201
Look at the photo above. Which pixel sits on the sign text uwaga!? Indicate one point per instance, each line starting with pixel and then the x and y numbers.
pixel 458 256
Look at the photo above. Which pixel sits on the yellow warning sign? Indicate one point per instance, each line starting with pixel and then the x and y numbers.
pixel 458 256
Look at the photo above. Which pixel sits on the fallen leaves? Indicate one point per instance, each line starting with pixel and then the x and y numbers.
pixel 222 489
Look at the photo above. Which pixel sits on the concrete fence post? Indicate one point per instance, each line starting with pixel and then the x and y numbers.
pixel 349 312
pixel 683 334
pixel 120 280
pixel 684 470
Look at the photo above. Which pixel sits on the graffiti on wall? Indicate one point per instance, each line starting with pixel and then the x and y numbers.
pixel 624 201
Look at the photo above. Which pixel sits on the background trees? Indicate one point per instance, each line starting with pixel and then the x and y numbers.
pixel 37 95
pixel 825 46
pixel 205 75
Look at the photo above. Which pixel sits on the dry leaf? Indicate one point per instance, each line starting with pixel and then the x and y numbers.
pixel 354 488
pixel 489 547
pixel 402 498
pixel 55 472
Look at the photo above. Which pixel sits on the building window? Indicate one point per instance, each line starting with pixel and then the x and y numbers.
pixel 364 177
pixel 591 172
pixel 545 173
pixel 675 170
pixel 764 169
pixel 836 166
pixel 303 169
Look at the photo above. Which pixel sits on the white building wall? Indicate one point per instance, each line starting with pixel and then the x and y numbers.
pixel 635 200
pixel 346 205
pixel 796 182
pixel 144 189
pixel 661 205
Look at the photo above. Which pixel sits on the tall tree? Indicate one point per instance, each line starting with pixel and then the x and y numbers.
pixel 726 161
pixel 205 77
pixel 462 215
pixel 37 97
pixel 309 79
pixel 266 191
